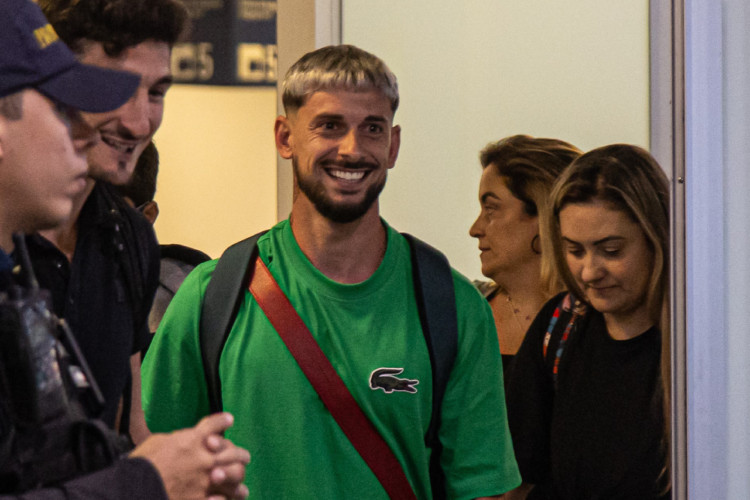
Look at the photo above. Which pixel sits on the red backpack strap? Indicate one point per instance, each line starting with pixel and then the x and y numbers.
pixel 327 383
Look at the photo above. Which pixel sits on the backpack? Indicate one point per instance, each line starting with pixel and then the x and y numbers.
pixel 433 288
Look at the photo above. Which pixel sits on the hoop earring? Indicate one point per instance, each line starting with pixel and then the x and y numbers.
pixel 534 244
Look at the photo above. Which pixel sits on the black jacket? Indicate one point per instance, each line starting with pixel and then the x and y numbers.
pixel 105 293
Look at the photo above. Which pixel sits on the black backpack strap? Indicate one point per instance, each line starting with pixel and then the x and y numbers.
pixel 221 303
pixel 132 251
pixel 136 250
pixel 436 302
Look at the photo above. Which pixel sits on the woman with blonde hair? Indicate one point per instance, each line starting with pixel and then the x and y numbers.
pixel 588 395
pixel 517 177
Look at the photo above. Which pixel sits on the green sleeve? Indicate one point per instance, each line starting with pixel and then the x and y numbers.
pixel 173 385
pixel 478 454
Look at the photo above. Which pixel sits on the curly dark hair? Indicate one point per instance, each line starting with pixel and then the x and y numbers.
pixel 116 24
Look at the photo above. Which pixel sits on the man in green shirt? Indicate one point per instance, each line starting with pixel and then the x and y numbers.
pixel 348 275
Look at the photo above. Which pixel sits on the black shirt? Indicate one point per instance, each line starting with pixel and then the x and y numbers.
pixel 598 433
pixel 105 294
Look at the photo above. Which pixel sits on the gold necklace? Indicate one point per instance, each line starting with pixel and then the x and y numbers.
pixel 515 313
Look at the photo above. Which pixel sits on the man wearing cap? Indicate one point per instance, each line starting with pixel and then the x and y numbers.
pixel 43 144
pixel 102 265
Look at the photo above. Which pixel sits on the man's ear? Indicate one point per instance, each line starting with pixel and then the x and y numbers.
pixel 283 134
pixel 150 211
pixel 395 145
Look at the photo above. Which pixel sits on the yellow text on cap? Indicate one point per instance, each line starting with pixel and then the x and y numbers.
pixel 45 36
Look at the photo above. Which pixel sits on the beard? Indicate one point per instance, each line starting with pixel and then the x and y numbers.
pixel 341 213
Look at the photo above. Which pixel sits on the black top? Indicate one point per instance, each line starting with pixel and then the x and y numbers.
pixel 597 434
pixel 489 289
pixel 105 294
pixel 124 480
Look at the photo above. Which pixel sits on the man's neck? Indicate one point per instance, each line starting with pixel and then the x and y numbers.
pixel 64 237
pixel 346 253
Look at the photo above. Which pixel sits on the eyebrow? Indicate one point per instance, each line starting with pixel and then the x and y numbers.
pixel 375 118
pixel 165 80
pixel 486 196
pixel 597 242
pixel 334 116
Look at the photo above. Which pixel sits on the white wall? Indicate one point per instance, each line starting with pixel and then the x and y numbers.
pixel 736 147
pixel 474 72
pixel 717 95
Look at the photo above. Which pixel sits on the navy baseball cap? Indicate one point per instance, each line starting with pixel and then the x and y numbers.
pixel 32 55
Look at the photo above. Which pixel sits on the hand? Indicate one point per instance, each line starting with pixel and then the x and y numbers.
pixel 227 474
pixel 198 463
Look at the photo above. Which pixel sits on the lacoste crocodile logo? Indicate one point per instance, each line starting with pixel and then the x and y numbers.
pixel 383 378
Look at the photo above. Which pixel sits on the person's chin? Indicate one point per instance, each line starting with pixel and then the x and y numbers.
pixel 120 177
pixel 54 216
pixel 116 174
pixel 603 302
pixel 489 270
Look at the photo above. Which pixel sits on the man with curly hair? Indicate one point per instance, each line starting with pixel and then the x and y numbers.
pixel 102 266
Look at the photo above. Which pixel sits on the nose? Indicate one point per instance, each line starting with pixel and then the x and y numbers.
pixel 477 229
pixel 349 147
pixel 134 115
pixel 591 269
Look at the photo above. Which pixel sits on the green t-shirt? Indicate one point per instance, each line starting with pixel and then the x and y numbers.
pixel 298 450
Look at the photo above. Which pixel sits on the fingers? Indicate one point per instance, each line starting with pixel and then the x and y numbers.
pixel 238 492
pixel 227 474
pixel 231 454
pixel 215 443
pixel 229 461
pixel 241 493
pixel 215 424
pixel 227 481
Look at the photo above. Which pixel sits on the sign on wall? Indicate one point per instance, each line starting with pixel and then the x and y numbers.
pixel 231 42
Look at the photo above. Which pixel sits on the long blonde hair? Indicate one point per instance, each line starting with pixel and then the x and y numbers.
pixel 629 179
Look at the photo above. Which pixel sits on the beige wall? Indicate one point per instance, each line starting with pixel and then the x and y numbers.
pixel 217 173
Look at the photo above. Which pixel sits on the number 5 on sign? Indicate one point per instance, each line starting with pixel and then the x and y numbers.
pixel 192 61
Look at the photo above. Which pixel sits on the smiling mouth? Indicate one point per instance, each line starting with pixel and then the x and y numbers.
pixel 118 146
pixel 347 175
